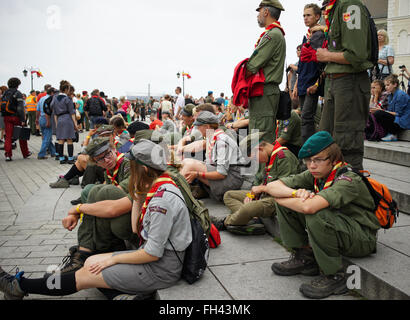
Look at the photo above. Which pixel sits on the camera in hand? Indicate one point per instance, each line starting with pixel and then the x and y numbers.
pixel 402 67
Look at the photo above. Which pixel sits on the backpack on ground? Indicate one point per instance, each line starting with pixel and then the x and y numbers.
pixel 385 208
pixel 47 106
pixel 8 103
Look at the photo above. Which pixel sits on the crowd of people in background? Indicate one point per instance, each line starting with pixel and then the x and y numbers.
pixel 303 172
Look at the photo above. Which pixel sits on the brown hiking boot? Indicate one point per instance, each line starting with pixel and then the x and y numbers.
pixel 301 262
pixel 325 286
pixel 72 262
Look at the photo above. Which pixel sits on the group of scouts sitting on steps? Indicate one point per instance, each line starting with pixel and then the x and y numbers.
pixel 321 212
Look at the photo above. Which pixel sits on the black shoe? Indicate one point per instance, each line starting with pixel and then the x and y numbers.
pixel 63 161
pixel 325 286
pixel 28 156
pixel 74 181
pixel 219 223
pixel 76 201
pixel 251 229
pixel 301 262
pixel 8 159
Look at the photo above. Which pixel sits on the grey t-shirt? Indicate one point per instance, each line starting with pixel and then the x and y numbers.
pixel 225 154
pixel 167 217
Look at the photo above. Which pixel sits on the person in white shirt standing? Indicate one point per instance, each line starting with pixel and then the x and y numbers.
pixel 180 103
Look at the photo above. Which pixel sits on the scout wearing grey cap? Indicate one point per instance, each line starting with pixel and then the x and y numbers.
pixel 148 154
pixel 98 146
pixel 206 117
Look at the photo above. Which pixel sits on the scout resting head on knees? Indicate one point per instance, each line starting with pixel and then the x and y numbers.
pixel 161 220
pixel 106 208
pixel 322 216
pixel 280 163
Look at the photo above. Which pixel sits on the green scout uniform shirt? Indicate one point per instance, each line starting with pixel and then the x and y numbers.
pixel 269 55
pixel 350 33
pixel 123 175
pixel 290 130
pixel 348 195
pixel 284 166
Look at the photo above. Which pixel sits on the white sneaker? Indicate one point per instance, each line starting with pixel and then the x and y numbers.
pixel 390 137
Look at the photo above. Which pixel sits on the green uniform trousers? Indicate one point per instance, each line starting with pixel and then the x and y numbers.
pixel 102 235
pixel 330 233
pixel 345 114
pixel 243 213
pixel 262 117
pixel 31 117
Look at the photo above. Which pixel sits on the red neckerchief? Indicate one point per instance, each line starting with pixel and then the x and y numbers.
pixel 326 14
pixel 278 147
pixel 330 179
pixel 164 179
pixel 120 160
pixel 276 24
pixel 213 141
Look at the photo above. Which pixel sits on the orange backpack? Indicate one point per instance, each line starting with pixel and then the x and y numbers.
pixel 385 208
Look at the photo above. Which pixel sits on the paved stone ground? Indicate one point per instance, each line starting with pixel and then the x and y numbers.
pixel 32 239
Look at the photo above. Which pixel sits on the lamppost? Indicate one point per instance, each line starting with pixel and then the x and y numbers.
pixel 32 71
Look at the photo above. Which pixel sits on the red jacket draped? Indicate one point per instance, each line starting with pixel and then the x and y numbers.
pixel 244 88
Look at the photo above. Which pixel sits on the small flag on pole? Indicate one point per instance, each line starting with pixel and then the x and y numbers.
pixel 38 73
pixel 187 75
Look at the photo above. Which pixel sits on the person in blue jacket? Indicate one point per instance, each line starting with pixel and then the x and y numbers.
pixel 397 115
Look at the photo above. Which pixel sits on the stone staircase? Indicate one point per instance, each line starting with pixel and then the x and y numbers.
pixel 240 267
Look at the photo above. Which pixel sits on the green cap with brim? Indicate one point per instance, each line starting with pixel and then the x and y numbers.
pixel 271 3
pixel 98 146
pixel 316 144
pixel 250 142
pixel 188 110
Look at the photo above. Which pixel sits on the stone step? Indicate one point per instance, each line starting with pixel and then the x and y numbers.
pixel 391 152
pixel 240 268
pixel 395 177
pixel 404 135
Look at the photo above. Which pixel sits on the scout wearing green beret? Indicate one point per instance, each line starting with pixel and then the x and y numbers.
pixel 347 85
pixel 322 216
pixel 280 162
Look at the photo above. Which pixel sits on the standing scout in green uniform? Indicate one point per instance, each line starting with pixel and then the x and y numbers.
pixel 269 55
pixel 280 162
pixel 347 89
pixel 106 211
pixel 322 215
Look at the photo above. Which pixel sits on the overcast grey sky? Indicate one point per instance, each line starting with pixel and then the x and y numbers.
pixel 122 46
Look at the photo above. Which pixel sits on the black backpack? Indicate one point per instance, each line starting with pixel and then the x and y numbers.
pixel 197 253
pixel 47 106
pixel 8 103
